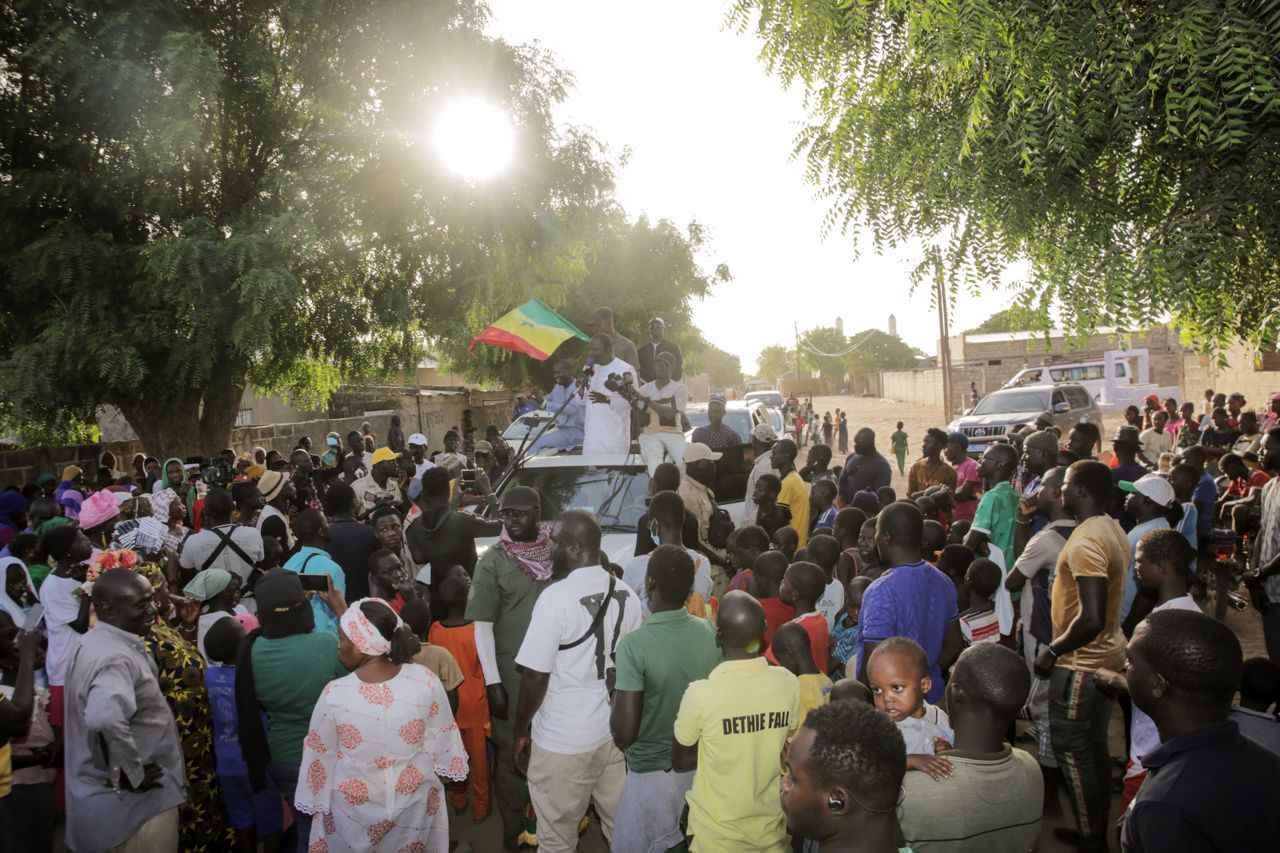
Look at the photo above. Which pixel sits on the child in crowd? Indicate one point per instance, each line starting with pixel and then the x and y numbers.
pixel 845 631
pixel 933 541
pixel 791 647
pixel 457 635
pixel 886 495
pixel 31 801
pixel 744 547
pixel 770 514
pixel 766 584
pixel 786 541
pixel 899 674
pixel 954 562
pixel 958 531
pixel 850 690
pixel 822 504
pixel 978 621
pixel 802 586
pixel 417 615
pixel 390 580
pixel 848 526
pixel 255 816
pixel 824 551
pixel 871 566
pixel 1259 695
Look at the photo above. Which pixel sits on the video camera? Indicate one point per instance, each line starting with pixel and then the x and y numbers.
pixel 219 474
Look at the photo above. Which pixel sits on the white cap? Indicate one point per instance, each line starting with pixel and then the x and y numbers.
pixel 764 433
pixel 1153 487
pixel 697 452
pixel 418 438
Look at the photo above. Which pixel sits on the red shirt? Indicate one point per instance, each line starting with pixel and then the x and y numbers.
pixel 776 614
pixel 815 625
pixel 1239 488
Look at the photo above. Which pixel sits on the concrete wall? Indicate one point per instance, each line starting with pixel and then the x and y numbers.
pixel 918 387
pixel 1003 355
pixel 1242 374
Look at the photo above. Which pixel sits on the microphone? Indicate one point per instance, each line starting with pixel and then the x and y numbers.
pixel 588 373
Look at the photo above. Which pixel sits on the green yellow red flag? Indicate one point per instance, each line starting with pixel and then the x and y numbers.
pixel 533 329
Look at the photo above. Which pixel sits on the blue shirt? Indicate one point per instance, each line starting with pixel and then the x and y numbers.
pixel 844 638
pixel 1204 497
pixel 915 601
pixel 220 684
pixel 573 416
pixel 315 561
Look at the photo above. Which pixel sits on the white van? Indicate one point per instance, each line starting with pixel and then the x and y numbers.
pixel 1091 374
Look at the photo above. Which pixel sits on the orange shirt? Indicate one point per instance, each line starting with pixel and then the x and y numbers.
pixel 473 701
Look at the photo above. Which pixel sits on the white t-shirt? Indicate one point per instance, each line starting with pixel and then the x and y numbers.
pixel 61 608
pixel 671 394
pixel 608 425
pixel 832 602
pixel 1154 443
pixel 1143 735
pixel 574 716
pixel 637 569
pixel 269 511
pixel 199 546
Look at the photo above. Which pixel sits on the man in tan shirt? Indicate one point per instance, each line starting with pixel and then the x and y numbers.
pixel 1088 590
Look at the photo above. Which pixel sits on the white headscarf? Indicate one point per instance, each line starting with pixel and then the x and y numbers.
pixel 362 633
pixel 13 608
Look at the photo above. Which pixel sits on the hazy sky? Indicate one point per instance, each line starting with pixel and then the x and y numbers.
pixel 710 135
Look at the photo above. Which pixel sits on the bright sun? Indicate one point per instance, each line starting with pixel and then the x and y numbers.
pixel 474 138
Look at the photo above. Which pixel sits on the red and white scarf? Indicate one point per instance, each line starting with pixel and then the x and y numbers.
pixel 533 557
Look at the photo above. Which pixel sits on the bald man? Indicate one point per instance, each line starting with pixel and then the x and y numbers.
pixel 731 726
pixel 125 773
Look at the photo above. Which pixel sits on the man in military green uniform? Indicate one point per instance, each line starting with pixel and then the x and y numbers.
pixel 508 580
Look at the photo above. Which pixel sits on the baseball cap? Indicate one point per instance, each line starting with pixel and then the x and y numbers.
pixel 658 320
pixel 1042 440
pixel 1153 487
pixel 384 454
pixel 764 433
pixel 418 439
pixel 716 398
pixel 697 452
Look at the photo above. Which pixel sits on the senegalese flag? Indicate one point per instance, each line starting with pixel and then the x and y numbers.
pixel 533 329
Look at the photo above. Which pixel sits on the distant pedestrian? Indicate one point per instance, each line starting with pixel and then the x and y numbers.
pixel 842 431
pixel 899 441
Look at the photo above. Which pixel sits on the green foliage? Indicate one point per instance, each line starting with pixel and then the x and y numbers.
pixel 1128 151
pixel 640 270
pixel 701 356
pixel 828 351
pixel 1012 319
pixel 774 361
pixel 195 196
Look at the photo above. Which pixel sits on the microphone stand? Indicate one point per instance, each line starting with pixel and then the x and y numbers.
pixel 531 437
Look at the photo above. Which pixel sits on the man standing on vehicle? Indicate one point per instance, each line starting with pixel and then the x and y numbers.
pixel 662 403
pixel 608 416
pixel 623 347
pixel 716 434
pixel 656 345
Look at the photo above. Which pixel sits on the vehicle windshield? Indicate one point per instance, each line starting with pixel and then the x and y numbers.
pixel 615 495
pixel 521 426
pixel 737 420
pixel 1018 401
pixel 769 398
pixel 775 418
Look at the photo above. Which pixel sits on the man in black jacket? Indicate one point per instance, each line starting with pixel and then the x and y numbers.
pixel 658 343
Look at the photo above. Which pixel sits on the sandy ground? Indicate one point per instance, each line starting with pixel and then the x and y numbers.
pixel 882 416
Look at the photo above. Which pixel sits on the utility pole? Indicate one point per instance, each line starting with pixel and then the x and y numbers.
pixel 944 346
pixel 795 328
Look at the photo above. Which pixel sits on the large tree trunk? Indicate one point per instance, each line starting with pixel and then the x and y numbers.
pixel 199 424
pixel 166 429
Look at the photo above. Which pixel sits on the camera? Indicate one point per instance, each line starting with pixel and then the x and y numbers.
pixel 218 474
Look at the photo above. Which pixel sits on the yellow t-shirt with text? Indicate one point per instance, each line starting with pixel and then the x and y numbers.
pixel 795 496
pixel 740 717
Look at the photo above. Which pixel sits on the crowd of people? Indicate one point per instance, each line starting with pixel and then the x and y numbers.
pixel 312 652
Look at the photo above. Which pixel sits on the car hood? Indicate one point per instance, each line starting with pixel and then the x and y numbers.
pixel 996 420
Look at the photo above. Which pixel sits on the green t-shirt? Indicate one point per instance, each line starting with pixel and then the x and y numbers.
pixel 661 659
pixel 899 440
pixel 997 517
pixel 288 675
pixel 503 593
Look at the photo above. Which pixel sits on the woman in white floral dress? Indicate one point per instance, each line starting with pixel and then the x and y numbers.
pixel 379 739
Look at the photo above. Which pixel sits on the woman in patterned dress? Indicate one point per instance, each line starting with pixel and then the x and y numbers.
pixel 203 824
pixel 379 739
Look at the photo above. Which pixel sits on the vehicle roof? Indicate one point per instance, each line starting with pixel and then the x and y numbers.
pixel 1039 385
pixel 579 460
pixel 729 406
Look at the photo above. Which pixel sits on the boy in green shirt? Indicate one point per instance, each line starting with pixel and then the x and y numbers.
pixel 899 440
pixel 655 664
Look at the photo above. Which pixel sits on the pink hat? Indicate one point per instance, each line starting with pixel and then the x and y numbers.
pixel 98 508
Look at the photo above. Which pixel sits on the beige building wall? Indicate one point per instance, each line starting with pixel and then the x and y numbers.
pixel 1241 374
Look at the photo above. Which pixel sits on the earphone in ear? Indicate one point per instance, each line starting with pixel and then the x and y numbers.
pixel 835 804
